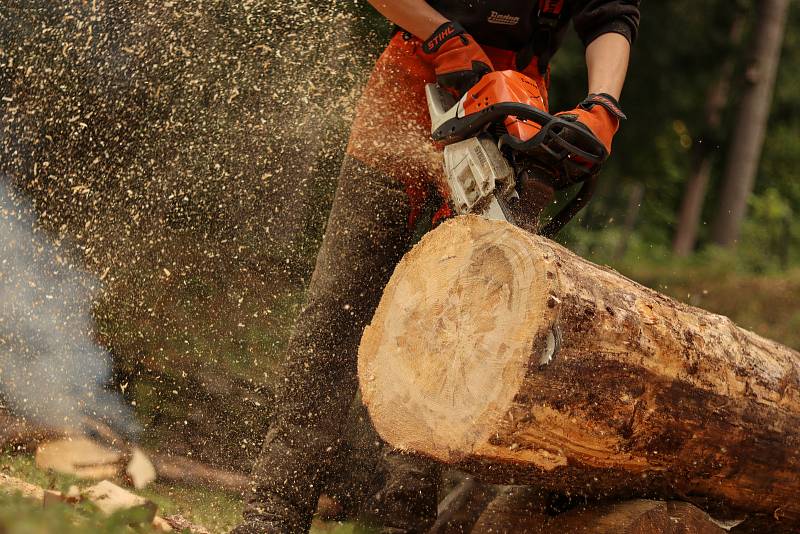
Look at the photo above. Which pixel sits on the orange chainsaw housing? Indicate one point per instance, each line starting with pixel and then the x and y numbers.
pixel 507 86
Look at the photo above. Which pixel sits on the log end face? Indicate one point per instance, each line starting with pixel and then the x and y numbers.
pixel 460 323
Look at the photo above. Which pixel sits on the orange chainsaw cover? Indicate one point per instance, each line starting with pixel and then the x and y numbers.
pixel 507 86
pixel 391 131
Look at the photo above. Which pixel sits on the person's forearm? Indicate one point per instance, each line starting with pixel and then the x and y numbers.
pixel 607 62
pixel 414 16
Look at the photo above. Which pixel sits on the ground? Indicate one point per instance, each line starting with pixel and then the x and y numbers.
pixel 216 510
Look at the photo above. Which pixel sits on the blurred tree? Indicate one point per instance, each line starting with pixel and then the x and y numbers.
pixel 702 151
pixel 748 138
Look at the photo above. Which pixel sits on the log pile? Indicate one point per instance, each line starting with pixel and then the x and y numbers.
pixel 504 354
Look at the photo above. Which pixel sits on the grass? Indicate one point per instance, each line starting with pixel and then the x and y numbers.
pixel 213 509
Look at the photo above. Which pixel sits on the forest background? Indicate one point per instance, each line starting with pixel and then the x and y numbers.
pixel 186 154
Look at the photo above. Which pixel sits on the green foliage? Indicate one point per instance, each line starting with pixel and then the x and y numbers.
pixel 21 516
pixel 675 61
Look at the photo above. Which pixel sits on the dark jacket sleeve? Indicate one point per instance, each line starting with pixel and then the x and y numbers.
pixel 593 18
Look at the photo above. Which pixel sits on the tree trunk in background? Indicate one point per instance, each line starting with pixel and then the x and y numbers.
pixel 751 124
pixel 502 353
pixel 695 193
pixel 635 197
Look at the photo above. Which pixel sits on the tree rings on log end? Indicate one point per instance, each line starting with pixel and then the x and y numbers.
pixel 454 334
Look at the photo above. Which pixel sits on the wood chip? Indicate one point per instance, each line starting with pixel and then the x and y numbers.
pixel 52 497
pixel 179 522
pixel 140 469
pixel 162 525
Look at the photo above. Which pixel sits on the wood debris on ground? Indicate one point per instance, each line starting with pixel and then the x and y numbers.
pixel 86 458
pixel 108 498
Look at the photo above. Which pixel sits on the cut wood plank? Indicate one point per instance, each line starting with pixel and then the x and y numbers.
pixel 110 499
pixel 502 353
pixel 140 469
pixel 79 456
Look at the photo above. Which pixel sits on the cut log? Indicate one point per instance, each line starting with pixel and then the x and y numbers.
pixel 502 353
pixel 18 434
pixel 514 509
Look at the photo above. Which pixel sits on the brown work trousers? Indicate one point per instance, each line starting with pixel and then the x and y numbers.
pixel 384 186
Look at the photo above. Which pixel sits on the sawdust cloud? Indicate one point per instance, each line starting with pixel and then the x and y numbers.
pixel 185 153
pixel 51 370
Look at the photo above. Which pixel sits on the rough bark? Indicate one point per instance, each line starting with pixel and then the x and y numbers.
pixel 751 123
pixel 502 353
pixel 695 192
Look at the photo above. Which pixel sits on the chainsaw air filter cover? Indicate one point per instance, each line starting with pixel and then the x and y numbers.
pixel 475 169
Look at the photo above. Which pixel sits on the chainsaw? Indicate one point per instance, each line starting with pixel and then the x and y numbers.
pixel 505 157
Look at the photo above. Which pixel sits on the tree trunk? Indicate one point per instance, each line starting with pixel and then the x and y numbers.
pixel 748 138
pixel 635 197
pixel 695 192
pixel 502 353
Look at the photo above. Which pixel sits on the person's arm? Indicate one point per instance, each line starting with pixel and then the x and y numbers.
pixel 607 28
pixel 607 63
pixel 457 60
pixel 415 16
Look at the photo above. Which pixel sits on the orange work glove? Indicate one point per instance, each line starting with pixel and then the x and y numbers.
pixel 600 113
pixel 458 60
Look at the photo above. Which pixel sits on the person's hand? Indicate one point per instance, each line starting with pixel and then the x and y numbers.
pixel 600 114
pixel 458 60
